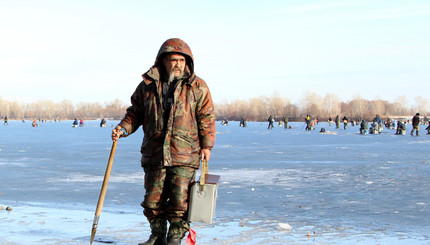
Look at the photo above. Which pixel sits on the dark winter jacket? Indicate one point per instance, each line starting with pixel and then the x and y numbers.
pixel 401 126
pixel 364 125
pixel 416 120
pixel 377 119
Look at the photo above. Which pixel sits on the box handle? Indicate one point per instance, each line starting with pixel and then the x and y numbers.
pixel 204 173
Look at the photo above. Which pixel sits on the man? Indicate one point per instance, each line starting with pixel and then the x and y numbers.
pixel 103 123
pixel 242 123
pixel 337 120
pixel 345 122
pixel 401 128
pixel 75 123
pixel 377 119
pixel 308 122
pixel 364 126
pixel 285 122
pixel 374 129
pixel 416 124
pixel 270 120
pixel 175 109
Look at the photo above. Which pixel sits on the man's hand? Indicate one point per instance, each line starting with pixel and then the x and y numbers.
pixel 205 154
pixel 116 133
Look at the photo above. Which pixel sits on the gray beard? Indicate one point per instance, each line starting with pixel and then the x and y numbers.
pixel 172 77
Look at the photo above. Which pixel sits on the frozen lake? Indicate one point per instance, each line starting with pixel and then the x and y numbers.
pixel 279 186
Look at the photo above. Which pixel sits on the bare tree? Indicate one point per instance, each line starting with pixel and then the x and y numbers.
pixel 47 109
pixel 239 107
pixel 287 109
pixel 421 105
pixel 16 110
pixel 220 110
pixel 378 107
pixel 114 109
pixel 66 109
pixel 311 104
pixel 4 108
pixel 292 111
pixel 88 110
pixel 230 110
pixel 358 107
pixel 276 105
pixel 1 106
pixel 401 106
pixel 257 110
pixel 331 105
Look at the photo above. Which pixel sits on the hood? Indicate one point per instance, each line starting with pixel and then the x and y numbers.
pixel 175 45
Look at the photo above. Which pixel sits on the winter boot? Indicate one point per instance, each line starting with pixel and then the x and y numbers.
pixel 158 232
pixel 178 228
pixel 174 241
pixel 155 240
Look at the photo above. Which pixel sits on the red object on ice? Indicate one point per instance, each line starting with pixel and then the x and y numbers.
pixel 191 238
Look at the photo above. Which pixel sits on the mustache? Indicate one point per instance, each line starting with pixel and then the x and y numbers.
pixel 172 75
pixel 176 69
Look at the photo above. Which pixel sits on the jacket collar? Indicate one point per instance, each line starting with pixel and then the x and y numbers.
pixel 154 75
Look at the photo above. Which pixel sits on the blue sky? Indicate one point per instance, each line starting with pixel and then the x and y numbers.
pixel 96 51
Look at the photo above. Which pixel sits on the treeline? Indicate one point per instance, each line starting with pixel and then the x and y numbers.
pixel 259 109
pixel 66 109
pixel 255 109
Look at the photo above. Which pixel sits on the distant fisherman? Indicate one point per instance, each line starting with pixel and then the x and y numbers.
pixel 308 122
pixel 374 129
pixel 416 124
pixel 75 123
pixel 34 124
pixel 271 121
pixel 242 123
pixel 330 121
pixel 345 122
pixel 285 122
pixel 377 119
pixel 401 128
pixel 103 123
pixel 364 126
pixel 337 121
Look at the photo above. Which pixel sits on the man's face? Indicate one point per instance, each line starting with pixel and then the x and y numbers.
pixel 175 63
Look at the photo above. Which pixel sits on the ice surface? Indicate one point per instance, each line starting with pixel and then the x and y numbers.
pixel 279 186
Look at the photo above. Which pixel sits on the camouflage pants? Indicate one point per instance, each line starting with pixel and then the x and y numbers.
pixel 166 196
pixel 417 128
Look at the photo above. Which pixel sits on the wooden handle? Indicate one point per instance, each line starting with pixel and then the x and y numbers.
pixel 204 173
pixel 106 179
pixel 103 190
